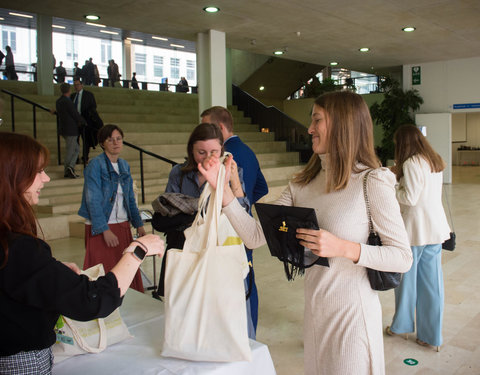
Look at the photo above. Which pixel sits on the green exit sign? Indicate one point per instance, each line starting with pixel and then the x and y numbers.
pixel 416 75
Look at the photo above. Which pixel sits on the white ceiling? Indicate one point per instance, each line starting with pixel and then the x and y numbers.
pixel 314 31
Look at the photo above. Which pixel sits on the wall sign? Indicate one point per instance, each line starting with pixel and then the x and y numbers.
pixel 416 75
pixel 466 105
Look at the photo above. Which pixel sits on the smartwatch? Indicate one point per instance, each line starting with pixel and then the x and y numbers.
pixel 139 253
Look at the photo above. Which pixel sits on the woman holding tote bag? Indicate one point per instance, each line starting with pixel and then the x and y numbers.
pixel 35 288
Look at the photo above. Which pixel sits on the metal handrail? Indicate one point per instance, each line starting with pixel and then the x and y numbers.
pixel 143 151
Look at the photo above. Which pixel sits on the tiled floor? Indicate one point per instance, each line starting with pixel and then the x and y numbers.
pixel 281 302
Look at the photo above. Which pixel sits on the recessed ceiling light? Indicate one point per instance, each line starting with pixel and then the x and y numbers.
pixel 92 17
pixel 135 40
pixel 109 32
pixel 20 15
pixel 278 53
pixel 333 63
pixel 409 29
pixel 176 45
pixel 2 19
pixel 95 24
pixel 211 9
pixel 364 49
pixel 261 88
pixel 58 27
pixel 159 38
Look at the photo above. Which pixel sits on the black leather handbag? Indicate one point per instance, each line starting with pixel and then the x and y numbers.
pixel 379 280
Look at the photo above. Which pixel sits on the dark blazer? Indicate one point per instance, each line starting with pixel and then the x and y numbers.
pixel 69 118
pixel 88 110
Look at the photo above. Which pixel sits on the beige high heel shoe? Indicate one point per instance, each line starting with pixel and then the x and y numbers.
pixel 389 332
pixel 423 343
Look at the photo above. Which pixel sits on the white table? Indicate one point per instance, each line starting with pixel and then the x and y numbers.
pixel 144 317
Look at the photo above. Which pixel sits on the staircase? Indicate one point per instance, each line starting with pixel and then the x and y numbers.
pixel 159 122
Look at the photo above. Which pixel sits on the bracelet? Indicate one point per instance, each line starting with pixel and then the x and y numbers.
pixel 142 246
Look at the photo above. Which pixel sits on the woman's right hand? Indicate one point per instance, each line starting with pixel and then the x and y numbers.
pixel 153 243
pixel 110 238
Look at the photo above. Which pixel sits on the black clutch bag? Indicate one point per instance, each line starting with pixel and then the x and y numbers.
pixel 379 280
pixel 279 224
pixel 450 243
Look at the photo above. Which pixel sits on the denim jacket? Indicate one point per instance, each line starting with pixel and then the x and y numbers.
pixel 100 190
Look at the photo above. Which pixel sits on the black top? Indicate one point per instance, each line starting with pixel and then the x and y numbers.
pixel 35 289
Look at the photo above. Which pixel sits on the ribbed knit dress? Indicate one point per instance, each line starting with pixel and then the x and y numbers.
pixel 343 317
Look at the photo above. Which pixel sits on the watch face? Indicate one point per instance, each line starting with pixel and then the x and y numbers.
pixel 139 253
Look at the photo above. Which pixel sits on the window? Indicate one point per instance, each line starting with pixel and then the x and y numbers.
pixel 174 68
pixel 9 38
pixel 158 66
pixel 141 64
pixel 71 50
pixel 106 51
pixel 190 70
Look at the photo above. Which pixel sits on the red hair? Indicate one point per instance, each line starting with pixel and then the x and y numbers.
pixel 21 158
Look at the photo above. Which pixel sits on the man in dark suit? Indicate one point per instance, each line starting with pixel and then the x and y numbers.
pixel 255 184
pixel 70 122
pixel 86 106
pixel 61 73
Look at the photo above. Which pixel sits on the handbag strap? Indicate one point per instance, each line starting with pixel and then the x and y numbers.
pixel 448 206
pixel 367 202
pixel 80 340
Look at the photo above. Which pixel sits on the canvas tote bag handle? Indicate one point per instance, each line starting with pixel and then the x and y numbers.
pixel 200 236
pixel 102 333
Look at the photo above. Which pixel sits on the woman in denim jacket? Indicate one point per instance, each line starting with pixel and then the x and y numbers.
pixel 108 205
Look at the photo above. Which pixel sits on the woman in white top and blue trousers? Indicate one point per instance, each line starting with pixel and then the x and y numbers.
pixel 419 175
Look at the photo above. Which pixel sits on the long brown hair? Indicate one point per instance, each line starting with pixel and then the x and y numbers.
pixel 409 141
pixel 202 132
pixel 350 140
pixel 21 159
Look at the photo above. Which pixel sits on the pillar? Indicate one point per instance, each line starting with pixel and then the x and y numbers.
pixel 44 55
pixel 211 69
pixel 127 59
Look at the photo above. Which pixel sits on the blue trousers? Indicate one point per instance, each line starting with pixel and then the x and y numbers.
pixel 421 289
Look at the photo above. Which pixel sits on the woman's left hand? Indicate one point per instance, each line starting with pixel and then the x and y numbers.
pixel 141 231
pixel 73 267
pixel 325 244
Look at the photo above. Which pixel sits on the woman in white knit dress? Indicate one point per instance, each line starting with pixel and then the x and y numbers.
pixel 343 317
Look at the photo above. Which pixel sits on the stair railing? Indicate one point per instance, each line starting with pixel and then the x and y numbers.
pixel 35 105
pixel 270 118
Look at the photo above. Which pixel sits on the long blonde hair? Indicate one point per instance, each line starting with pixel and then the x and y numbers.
pixel 350 140
pixel 409 141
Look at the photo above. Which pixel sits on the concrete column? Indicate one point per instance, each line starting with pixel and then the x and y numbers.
pixel 229 76
pixel 44 55
pixel 127 59
pixel 211 69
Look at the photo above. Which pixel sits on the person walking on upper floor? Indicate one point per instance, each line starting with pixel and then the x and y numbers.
pixel 420 296
pixel 10 72
pixel 108 204
pixel 61 73
pixel 113 73
pixel 255 184
pixel 134 81
pixel 86 105
pixel 77 72
pixel 70 123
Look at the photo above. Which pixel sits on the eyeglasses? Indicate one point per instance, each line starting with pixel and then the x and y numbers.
pixel 110 140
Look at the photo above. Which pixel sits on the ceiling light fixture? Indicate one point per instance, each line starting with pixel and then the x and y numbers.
pixel 176 45
pixel 334 63
pixel 409 29
pixel 58 27
pixel 211 9
pixel 261 88
pixel 159 38
pixel 2 19
pixel 278 53
pixel 364 49
pixel 95 24
pixel 135 40
pixel 109 32
pixel 20 15
pixel 91 17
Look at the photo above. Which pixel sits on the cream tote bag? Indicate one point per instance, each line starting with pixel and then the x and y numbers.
pixel 75 337
pixel 205 308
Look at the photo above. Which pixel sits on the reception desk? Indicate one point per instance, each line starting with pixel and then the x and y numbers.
pixel 468 157
pixel 144 317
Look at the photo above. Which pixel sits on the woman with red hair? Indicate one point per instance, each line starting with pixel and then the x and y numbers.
pixel 35 288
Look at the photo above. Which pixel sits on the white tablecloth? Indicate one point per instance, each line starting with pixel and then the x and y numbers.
pixel 144 317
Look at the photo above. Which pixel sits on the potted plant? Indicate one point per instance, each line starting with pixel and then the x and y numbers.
pixel 395 110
